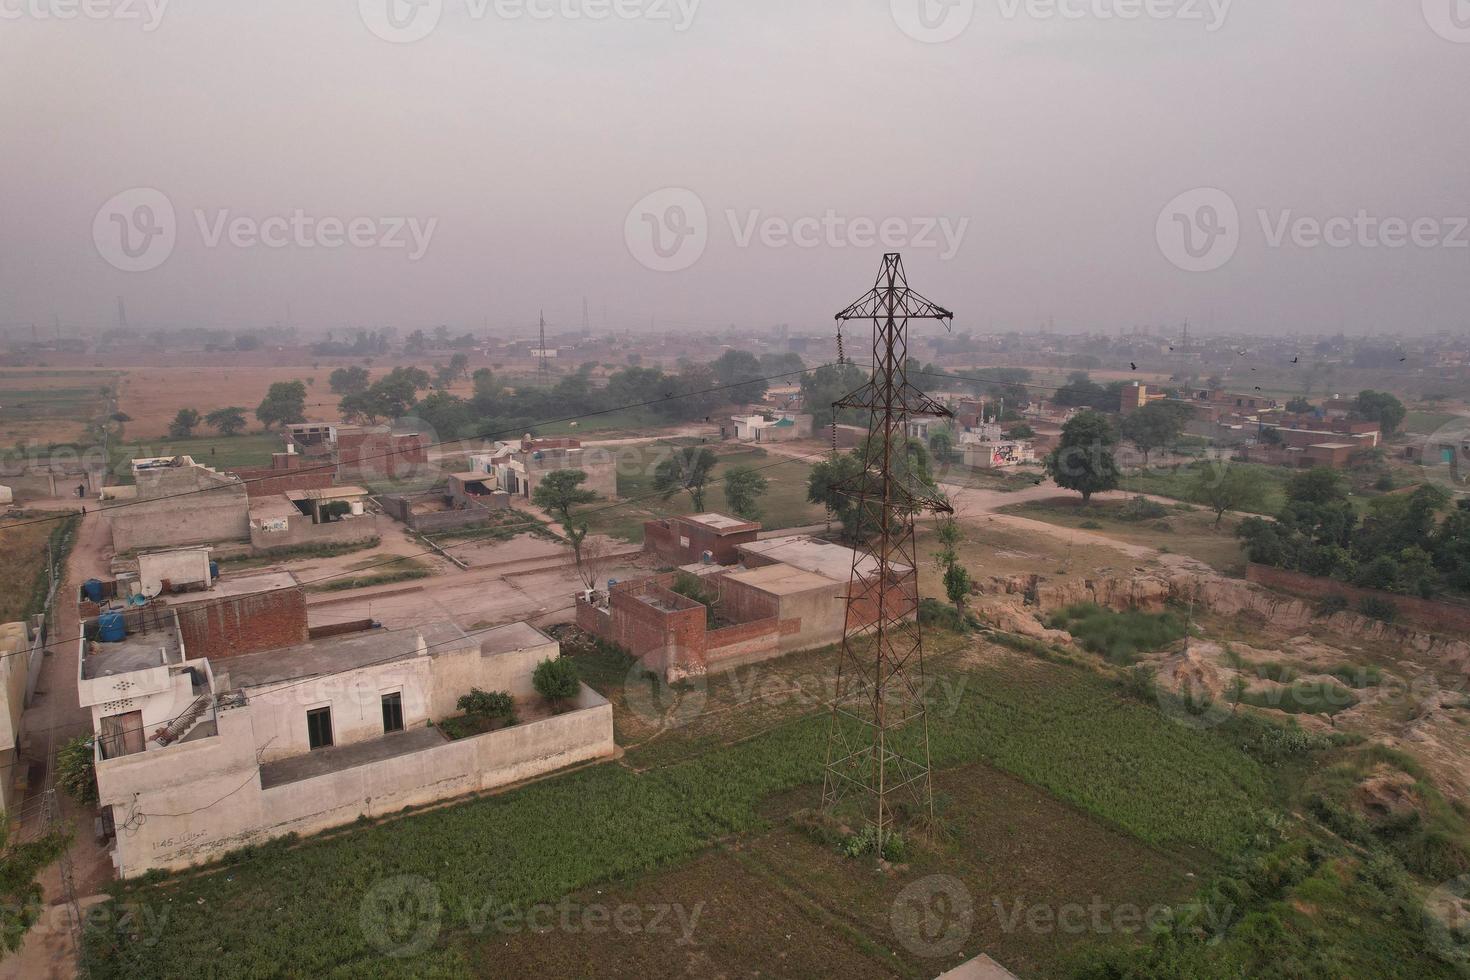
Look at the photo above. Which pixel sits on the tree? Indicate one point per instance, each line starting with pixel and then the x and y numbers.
pixel 1231 488
pixel 594 556
pixel 742 370
pixel 20 893
pixel 349 380
pixel 1155 426
pixel 957 579
pixel 459 365
pixel 1084 460
pixel 556 681
pixel 284 404
pixel 1081 391
pixel 838 485
pixel 827 384
pixel 1380 407
pixel 1023 431
pixel 184 424
pixel 560 491
pixel 226 421
pixel 957 584
pixel 687 470
pixel 743 486
pixel 1300 406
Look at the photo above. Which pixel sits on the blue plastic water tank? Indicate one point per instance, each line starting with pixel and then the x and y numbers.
pixel 112 627
pixel 93 588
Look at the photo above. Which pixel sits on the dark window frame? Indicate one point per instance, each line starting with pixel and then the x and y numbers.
pixel 314 728
pixel 392 703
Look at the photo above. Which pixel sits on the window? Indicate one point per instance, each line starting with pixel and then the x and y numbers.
pixel 319 727
pixel 393 712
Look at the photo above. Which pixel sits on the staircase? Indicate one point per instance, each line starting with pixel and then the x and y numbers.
pixel 185 722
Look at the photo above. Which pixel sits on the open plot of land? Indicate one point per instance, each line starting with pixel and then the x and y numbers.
pixel 23 557
pixel 219 452
pixel 1190 532
pixel 51 407
pixel 783 505
pixel 1177 482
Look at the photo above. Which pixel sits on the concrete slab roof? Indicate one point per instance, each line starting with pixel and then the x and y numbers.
pixel 781 579
pixel 337 655
pixel 329 493
pixel 226 588
pixel 720 522
pixel 140 651
pixel 515 636
pixel 324 761
pixel 812 555
pixel 278 505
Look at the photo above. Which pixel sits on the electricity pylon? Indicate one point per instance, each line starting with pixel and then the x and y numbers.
pixel 878 740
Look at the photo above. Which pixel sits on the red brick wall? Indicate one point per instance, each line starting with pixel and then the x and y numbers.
pixel 380 454
pixel 1423 613
pixel 266 482
pixel 662 538
pixel 221 628
pixel 742 603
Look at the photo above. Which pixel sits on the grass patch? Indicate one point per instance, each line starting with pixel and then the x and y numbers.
pixel 219 452
pixel 1178 482
pixel 503 525
pixel 298 553
pixel 23 560
pixel 376 571
pixel 1120 638
pixel 1298 697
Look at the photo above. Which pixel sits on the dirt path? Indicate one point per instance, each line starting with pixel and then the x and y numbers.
pixel 54 717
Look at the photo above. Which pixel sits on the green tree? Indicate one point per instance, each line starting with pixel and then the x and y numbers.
pixel 560 491
pixel 687 470
pixel 184 424
pixel 1155 426
pixel 349 380
pixel 741 369
pixel 1300 406
pixel 226 421
pixel 1228 488
pixel 1380 407
pixel 743 488
pixel 556 681
pixel 1085 461
pixel 284 404
pixel 827 384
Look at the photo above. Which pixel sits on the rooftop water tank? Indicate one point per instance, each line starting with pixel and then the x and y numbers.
pixel 93 588
pixel 112 627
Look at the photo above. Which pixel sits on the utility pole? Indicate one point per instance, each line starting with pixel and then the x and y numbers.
pixel 878 739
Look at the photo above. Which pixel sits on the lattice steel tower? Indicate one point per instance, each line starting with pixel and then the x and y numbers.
pixel 878 742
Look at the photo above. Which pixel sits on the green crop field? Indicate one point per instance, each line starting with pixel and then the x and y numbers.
pixel 1176 483
pixel 1148 783
pixel 220 452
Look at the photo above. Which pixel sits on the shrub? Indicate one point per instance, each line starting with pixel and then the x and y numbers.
pixel 1331 605
pixel 932 612
pixel 1378 608
pixel 1143 509
pixel 1120 637
pixel 76 770
pixel 489 706
pixel 556 680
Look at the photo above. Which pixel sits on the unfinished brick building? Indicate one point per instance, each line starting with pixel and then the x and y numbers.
pixel 765 608
pixel 687 540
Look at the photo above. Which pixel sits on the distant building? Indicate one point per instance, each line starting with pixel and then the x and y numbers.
pixel 686 540
pixel 783 427
pixel 519 467
pixel 304 518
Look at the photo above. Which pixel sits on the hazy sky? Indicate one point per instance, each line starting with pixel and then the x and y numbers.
pixel 1047 145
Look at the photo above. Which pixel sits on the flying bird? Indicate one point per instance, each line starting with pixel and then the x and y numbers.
pixel 1133 366
pixel 1296 360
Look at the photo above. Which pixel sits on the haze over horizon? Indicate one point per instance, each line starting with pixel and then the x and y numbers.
pixel 524 157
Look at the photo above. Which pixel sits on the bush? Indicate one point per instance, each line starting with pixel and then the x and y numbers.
pixel 1378 608
pixel 488 706
pixel 1119 637
pixel 556 680
pixel 1143 509
pixel 932 612
pixel 76 770
pixel 1331 605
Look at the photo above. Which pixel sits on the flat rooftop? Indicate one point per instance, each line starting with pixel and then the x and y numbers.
pixel 720 522
pixel 781 579
pixel 140 651
pixel 335 655
pixel 228 588
pixel 321 762
pixel 811 555
pixel 515 636
pixel 330 493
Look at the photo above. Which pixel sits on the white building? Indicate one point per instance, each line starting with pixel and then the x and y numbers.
pixel 198 757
